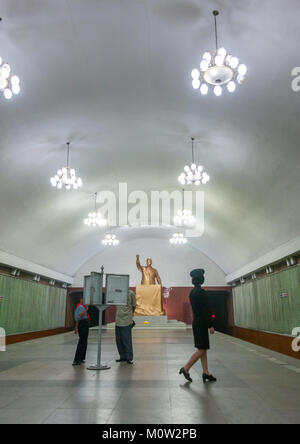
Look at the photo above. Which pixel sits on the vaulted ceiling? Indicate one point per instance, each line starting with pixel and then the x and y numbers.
pixel 113 78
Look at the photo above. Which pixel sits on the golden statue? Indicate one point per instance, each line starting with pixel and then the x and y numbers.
pixel 148 294
pixel 149 274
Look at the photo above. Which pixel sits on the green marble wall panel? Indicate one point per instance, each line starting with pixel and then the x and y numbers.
pixel 27 306
pixel 258 305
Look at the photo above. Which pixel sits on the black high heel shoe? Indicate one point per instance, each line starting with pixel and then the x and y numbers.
pixel 185 374
pixel 209 378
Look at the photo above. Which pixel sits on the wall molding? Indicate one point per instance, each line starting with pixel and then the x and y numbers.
pixel 21 337
pixel 272 341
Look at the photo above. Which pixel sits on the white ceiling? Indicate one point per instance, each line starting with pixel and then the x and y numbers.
pixel 113 77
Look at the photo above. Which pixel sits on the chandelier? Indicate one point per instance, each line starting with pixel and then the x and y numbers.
pixel 193 174
pixel 218 68
pixel 110 240
pixel 9 83
pixel 178 239
pixel 66 176
pixel 184 218
pixel 95 218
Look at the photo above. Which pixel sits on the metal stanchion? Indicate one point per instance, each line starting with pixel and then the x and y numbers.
pixel 99 366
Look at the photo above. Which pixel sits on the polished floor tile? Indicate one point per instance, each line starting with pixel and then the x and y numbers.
pixel 39 385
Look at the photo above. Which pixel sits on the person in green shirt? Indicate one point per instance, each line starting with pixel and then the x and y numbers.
pixel 124 324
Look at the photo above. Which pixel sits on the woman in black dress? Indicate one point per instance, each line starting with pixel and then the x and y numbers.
pixel 202 322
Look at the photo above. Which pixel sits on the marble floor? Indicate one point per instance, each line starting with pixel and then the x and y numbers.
pixel 39 385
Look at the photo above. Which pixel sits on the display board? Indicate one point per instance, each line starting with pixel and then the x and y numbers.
pixel 117 287
pixel 92 292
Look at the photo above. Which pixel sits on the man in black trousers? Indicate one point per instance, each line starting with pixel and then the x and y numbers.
pixel 82 328
pixel 124 324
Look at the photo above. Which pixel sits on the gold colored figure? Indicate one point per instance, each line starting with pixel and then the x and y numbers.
pixel 149 274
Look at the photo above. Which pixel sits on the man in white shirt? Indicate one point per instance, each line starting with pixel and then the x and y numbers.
pixel 124 324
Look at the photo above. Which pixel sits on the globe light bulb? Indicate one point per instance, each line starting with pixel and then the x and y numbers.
pixel 222 52
pixel 195 74
pixel 207 56
pixel 15 80
pixel 196 83
pixel 233 63
pixel 193 166
pixel 219 60
pixel 204 89
pixel 240 79
pixel 204 65
pixel 16 89
pixel 5 70
pixel 3 83
pixel 242 69
pixel 186 168
pixel 231 86
pixel 218 90
pixel 8 93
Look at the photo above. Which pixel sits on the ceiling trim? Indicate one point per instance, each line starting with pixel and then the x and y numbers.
pixel 23 264
pixel 275 255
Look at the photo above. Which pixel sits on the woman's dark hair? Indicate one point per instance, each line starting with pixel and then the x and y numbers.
pixel 198 280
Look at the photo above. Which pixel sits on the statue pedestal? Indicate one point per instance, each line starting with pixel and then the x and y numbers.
pixel 148 301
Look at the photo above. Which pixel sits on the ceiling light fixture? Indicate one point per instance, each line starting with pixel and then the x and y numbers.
pixel 110 240
pixel 15 272
pixel 218 68
pixel 9 83
pixel 95 218
pixel 193 174
pixel 178 239
pixel 66 176
pixel 184 217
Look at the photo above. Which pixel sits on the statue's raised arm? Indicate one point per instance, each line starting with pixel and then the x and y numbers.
pixel 138 264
